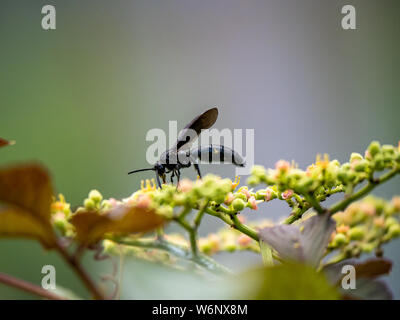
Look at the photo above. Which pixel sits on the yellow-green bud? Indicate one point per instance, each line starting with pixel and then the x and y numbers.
pixel 339 240
pixel 238 204
pixel 253 180
pixel 374 148
pixel 89 204
pixel 258 171
pixel 361 166
pixel 95 196
pixel 390 221
pixel 379 162
pixel 356 157
pixel 367 247
pixel 388 149
pixel 356 233
pixel 106 205
pixel 394 231
pixel 239 195
pixel 335 162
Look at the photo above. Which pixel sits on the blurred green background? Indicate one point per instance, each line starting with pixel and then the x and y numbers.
pixel 80 99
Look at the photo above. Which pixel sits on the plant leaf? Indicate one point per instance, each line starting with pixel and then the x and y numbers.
pixel 290 281
pixel 368 289
pixel 367 285
pixel 305 242
pixel 371 268
pixel 18 223
pixel 26 193
pixel 4 142
pixel 266 254
pixel 316 234
pixel 92 225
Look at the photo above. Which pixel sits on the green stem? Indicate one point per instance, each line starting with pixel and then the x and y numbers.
pixel 177 250
pixel 314 203
pixel 341 205
pixel 234 222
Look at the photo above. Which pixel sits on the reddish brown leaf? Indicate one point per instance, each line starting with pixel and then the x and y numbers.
pixel 91 226
pixel 26 192
pixel 373 267
pixel 4 142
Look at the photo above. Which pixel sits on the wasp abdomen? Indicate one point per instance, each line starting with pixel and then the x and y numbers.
pixel 217 154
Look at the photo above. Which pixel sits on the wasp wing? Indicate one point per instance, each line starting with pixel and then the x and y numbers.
pixel 191 132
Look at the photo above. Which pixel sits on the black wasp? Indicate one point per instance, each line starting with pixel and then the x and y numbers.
pixel 181 156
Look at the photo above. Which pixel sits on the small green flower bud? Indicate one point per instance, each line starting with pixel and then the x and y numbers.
pixel 379 162
pixel 394 231
pixel 361 166
pixel 388 149
pixel 238 204
pixel 230 247
pixel 390 222
pixel 374 148
pixel 355 157
pixel 95 196
pixel 258 171
pixel 339 240
pixel 335 163
pixel 89 204
pixel 356 233
pixel 60 224
pixel 253 180
pixel 106 205
pixel 80 210
pixel 304 184
pixel 240 195
pixel 367 247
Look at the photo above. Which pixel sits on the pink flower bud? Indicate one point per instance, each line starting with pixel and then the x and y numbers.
pixel 253 203
pixel 282 166
pixel 287 194
pixel 342 229
pixel 185 185
pixel 229 198
pixel 143 201
pixel 396 203
pixel 246 192
pixel 268 195
pixel 367 208
pixel 244 240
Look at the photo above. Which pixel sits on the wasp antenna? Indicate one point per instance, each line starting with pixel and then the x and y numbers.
pixel 147 169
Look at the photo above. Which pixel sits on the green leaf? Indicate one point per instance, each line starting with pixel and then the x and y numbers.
pixel 289 281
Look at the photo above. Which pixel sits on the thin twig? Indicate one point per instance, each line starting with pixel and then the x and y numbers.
pixel 81 272
pixel 28 287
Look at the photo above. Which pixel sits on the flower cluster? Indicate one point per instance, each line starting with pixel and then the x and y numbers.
pixel 361 226
pixel 365 225
pixel 211 190
pixel 303 188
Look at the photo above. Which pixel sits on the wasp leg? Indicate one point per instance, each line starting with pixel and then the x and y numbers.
pixel 158 180
pixel 178 176
pixel 172 176
pixel 196 166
